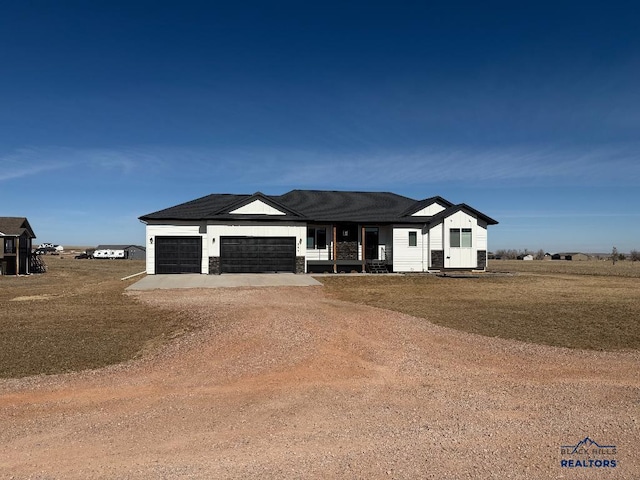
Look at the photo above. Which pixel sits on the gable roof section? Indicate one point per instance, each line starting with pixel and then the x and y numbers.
pixel 462 206
pixel 221 207
pixel 15 227
pixel 199 209
pixel 270 202
pixel 422 204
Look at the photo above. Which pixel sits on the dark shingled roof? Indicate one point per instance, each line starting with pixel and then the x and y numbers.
pixel 332 206
pixel 312 206
pixel 198 209
pixel 15 226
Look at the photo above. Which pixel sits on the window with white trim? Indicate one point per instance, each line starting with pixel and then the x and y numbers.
pixel 413 239
pixel 460 237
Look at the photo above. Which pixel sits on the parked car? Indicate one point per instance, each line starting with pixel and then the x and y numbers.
pixel 82 255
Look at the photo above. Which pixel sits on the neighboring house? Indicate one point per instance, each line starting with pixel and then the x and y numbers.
pixel 315 231
pixel 571 256
pixel 130 252
pixel 16 242
pixel 527 257
pixel 576 256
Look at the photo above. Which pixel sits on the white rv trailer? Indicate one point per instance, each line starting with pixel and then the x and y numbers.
pixel 109 253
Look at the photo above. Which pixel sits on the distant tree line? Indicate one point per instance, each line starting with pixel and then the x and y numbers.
pixel 513 254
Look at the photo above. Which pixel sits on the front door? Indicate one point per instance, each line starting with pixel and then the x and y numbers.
pixel 460 252
pixel 371 243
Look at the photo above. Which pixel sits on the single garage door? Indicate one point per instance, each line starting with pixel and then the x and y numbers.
pixel 257 254
pixel 178 254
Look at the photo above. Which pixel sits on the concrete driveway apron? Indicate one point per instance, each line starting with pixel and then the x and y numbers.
pixel 152 282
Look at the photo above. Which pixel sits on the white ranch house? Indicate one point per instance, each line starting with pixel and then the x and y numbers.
pixel 305 231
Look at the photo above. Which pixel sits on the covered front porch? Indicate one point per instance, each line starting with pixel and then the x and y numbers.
pixel 347 247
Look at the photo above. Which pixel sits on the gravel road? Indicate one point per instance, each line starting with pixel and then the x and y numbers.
pixel 287 383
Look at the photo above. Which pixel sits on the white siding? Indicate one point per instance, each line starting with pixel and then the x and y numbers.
pixel 460 257
pixel 184 229
pixel 481 235
pixel 429 210
pixel 435 237
pixel 258 208
pixel 406 258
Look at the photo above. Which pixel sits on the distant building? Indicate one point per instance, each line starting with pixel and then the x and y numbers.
pixel 571 256
pixel 16 242
pixel 130 252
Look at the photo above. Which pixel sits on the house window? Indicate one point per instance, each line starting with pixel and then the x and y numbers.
pixel 465 237
pixel 460 237
pixel 317 238
pixel 311 238
pixel 413 239
pixel 321 238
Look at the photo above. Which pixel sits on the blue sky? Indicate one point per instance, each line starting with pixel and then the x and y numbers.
pixel 528 112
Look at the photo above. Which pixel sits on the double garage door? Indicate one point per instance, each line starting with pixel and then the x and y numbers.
pixel 237 254
pixel 257 254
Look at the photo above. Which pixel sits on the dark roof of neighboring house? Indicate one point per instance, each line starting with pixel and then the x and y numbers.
pixel 118 247
pixel 314 206
pixel 15 227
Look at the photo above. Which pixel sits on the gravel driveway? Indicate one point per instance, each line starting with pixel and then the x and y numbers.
pixel 284 382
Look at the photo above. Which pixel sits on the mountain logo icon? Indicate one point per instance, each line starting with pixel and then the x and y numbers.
pixel 584 444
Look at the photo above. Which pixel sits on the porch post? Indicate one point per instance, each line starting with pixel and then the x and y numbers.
pixel 335 249
pixel 17 247
pixel 362 233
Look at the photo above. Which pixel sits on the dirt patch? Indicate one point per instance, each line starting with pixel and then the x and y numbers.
pixel 290 383
pixel 28 298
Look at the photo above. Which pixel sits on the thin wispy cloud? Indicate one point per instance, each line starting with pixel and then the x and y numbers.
pixel 272 167
pixel 435 165
pixel 569 215
pixel 26 163
pixel 33 161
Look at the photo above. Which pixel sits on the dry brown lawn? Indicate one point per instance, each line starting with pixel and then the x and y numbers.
pixel 593 267
pixel 75 317
pixel 591 305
